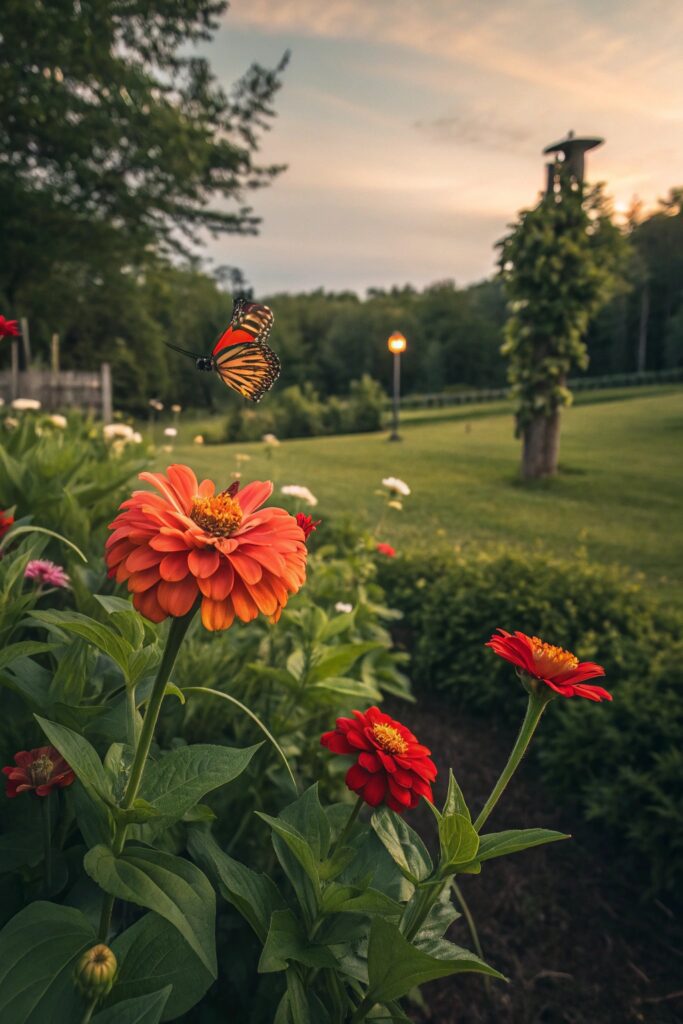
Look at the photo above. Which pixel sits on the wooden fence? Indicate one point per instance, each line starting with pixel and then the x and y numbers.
pixel 62 389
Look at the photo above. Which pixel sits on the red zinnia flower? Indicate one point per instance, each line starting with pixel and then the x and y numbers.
pixel 559 669
pixel 9 328
pixel 386 549
pixel 392 767
pixel 187 542
pixel 306 523
pixel 40 770
pixel 5 523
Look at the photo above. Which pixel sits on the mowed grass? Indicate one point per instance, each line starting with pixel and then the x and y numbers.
pixel 619 495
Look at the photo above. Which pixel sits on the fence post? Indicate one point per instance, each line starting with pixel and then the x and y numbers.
pixel 14 386
pixel 107 404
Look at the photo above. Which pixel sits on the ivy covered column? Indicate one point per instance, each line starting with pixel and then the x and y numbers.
pixel 560 263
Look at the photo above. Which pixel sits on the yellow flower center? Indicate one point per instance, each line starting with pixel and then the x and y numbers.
pixel 389 738
pixel 41 770
pixel 550 660
pixel 220 515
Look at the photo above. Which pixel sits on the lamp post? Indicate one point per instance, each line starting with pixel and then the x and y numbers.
pixel 396 344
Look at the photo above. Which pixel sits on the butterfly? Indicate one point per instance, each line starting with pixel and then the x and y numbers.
pixel 240 355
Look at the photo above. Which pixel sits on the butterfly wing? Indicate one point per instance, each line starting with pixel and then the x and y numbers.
pixel 249 368
pixel 250 322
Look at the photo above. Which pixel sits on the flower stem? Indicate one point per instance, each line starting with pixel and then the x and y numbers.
pixel 47 840
pixel 175 638
pixel 535 708
pixel 89 1010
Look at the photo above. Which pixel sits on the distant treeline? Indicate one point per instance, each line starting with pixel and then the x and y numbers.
pixel 329 339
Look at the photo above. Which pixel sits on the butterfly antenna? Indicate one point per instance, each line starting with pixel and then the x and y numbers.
pixel 183 351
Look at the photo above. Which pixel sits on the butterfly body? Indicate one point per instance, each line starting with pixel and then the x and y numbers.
pixel 240 355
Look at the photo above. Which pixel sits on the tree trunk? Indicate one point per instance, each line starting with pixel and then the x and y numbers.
pixel 541 447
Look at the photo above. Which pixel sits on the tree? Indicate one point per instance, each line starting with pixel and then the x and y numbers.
pixel 116 141
pixel 560 263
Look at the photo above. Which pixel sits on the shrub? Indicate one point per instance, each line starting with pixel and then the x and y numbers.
pixel 623 767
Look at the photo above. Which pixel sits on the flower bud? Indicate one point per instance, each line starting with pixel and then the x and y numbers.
pixel 96 971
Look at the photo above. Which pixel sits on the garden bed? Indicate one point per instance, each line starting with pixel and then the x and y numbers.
pixel 578 944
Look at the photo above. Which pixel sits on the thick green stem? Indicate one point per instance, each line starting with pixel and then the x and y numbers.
pixel 535 708
pixel 47 839
pixel 362 1010
pixel 176 635
pixel 131 715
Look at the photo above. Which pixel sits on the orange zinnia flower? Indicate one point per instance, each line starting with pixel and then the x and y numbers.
pixel 559 669
pixel 187 542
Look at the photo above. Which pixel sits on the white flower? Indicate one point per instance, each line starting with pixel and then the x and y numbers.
pixel 57 420
pixel 11 423
pixel 176 408
pixel 156 404
pixel 117 430
pixel 396 486
pixel 243 458
pixel 136 437
pixel 26 404
pixel 270 439
pixel 2 402
pixel 302 493
pixel 198 439
pixel 170 432
pixel 342 606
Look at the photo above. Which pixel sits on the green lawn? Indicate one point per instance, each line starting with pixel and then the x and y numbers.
pixel 619 494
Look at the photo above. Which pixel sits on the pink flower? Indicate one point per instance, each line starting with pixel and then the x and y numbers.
pixel 46 573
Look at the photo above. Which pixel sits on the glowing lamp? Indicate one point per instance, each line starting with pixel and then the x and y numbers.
pixel 397 343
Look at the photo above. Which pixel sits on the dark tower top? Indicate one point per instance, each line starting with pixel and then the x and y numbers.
pixel 573 151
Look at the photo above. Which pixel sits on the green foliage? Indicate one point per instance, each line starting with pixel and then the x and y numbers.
pixel 559 264
pixel 121 145
pixel 623 767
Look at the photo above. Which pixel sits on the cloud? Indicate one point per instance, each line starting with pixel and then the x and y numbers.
pixel 480 128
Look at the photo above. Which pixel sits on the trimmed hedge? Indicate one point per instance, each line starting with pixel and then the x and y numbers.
pixel 622 762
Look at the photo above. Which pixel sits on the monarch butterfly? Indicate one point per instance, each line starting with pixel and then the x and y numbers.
pixel 240 355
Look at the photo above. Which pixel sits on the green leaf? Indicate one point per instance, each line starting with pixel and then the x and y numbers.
pixel 80 755
pixel 125 618
pixel 459 840
pixel 71 675
pixel 287 941
pixel 340 686
pixel 106 639
pixel 395 966
pixel 175 783
pixel 307 816
pixel 297 844
pixel 38 950
pixel 168 885
pixel 254 895
pixel 345 899
pixel 23 649
pixel 152 954
pixel 146 1009
pixel 455 801
pixel 140 813
pixel 403 845
pixel 17 530
pixel 339 624
pixel 499 844
pixel 339 660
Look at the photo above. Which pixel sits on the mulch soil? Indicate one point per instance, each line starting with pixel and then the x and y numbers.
pixel 577 941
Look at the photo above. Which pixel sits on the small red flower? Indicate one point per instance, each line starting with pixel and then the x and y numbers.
pixel 9 328
pixel 559 669
pixel 41 770
pixel 5 523
pixel 386 549
pixel 392 767
pixel 306 523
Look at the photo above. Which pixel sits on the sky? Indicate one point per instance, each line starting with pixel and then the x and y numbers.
pixel 413 130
